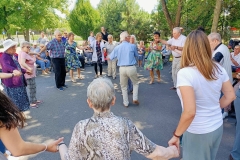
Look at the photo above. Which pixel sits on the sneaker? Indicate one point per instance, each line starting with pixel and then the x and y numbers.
pixel 65 86
pixel 60 89
pixel 224 115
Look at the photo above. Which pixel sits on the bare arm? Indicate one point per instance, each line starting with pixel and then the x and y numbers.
pixel 188 114
pixel 164 153
pixel 163 41
pixel 43 49
pixel 234 62
pixel 24 65
pixel 18 147
pixel 33 53
pixel 228 94
pixel 10 75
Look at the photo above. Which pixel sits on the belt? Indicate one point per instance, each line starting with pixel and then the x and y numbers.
pixel 127 66
pixel 178 57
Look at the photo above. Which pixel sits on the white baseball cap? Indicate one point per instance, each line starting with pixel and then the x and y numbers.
pixel 8 44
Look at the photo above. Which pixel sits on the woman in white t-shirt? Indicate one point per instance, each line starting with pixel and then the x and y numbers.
pixel 200 81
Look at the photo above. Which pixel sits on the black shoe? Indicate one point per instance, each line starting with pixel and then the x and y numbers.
pixel 230 157
pixel 65 86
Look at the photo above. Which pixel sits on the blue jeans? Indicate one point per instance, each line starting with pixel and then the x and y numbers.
pixel 236 147
pixel 2 147
pixel 88 55
pixel 43 64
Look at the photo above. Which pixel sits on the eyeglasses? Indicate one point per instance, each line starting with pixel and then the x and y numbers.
pixel 27 47
pixel 65 33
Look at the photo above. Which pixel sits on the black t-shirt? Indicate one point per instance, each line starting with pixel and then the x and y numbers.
pixel 105 36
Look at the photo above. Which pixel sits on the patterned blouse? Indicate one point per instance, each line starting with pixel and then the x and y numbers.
pixel 107 137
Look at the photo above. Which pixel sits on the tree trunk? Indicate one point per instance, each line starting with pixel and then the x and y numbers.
pixel 216 15
pixel 178 15
pixel 167 15
pixel 26 35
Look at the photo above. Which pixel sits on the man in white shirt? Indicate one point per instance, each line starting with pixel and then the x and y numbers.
pixel 235 58
pixel 176 45
pixel 221 55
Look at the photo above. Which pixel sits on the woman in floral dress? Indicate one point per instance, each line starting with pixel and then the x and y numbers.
pixel 72 61
pixel 154 60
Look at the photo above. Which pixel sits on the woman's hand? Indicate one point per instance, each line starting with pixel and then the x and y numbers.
pixel 52 147
pixel 174 141
pixel 17 73
pixel 29 71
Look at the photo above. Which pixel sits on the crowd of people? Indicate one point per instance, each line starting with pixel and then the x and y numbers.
pixel 202 77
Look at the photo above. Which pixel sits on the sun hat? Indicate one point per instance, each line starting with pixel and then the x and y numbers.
pixel 34 43
pixel 8 44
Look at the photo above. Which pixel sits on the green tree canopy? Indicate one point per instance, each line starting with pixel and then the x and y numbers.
pixel 22 15
pixel 83 18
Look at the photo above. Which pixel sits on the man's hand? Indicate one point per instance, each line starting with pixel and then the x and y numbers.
pixel 173 48
pixel 45 60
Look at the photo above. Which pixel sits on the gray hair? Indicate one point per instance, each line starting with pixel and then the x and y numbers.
pixel 56 32
pixel 25 43
pixel 135 39
pixel 123 35
pixel 110 36
pixel 215 36
pixel 100 93
pixel 178 29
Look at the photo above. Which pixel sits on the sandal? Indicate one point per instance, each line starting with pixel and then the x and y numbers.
pixel 33 105
pixel 39 102
pixel 80 77
pixel 74 80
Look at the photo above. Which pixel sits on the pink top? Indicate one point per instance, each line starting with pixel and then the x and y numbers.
pixel 30 61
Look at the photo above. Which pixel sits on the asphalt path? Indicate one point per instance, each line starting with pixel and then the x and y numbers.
pixel 157 115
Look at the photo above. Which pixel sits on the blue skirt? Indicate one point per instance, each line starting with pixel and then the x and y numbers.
pixel 19 97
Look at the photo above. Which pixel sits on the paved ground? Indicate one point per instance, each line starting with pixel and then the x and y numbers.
pixel 157 116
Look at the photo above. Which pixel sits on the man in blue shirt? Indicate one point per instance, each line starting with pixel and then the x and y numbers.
pixel 126 53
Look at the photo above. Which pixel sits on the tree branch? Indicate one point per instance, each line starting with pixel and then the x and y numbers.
pixel 166 13
pixel 178 15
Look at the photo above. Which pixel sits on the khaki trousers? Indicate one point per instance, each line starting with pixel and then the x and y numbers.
pixel 175 68
pixel 112 65
pixel 125 73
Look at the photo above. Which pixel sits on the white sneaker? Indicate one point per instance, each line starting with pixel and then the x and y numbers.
pixel 224 115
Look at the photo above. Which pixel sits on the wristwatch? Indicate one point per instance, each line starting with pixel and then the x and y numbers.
pixel 59 145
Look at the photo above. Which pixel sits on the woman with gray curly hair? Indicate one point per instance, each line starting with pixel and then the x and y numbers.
pixel 106 136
